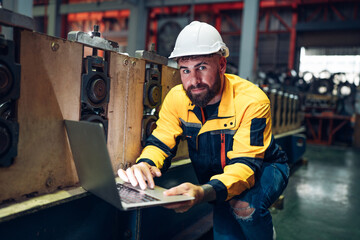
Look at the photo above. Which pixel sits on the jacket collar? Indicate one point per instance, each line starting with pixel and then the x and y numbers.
pixel 226 107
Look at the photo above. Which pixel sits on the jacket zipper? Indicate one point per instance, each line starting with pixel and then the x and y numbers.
pixel 203 122
pixel 202 116
pixel 222 135
pixel 222 150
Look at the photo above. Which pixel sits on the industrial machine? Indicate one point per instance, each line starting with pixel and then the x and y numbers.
pixel 43 94
pixel 287 122
pixel 10 70
pixel 152 90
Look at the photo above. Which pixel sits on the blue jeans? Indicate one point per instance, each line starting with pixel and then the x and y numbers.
pixel 247 216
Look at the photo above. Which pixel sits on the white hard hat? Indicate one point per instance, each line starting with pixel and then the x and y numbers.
pixel 198 38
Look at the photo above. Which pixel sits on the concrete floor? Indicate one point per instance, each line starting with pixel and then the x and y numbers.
pixel 322 200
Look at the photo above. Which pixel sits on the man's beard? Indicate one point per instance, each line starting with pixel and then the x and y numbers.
pixel 205 97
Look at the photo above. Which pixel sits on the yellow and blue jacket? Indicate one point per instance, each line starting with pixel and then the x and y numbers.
pixel 228 149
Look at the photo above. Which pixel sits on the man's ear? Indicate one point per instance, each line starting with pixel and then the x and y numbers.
pixel 222 64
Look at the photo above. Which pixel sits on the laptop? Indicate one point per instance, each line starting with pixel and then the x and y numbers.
pixel 96 175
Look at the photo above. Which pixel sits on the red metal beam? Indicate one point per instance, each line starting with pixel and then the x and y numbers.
pixel 229 6
pixel 276 4
pixel 155 35
pixel 309 2
pixel 267 21
pixel 337 12
pixel 198 8
pixel 98 15
pixel 314 14
pixel 231 22
pixel 281 20
pixel 218 21
pixel 154 12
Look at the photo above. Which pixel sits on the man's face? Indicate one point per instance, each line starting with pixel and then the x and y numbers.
pixel 202 78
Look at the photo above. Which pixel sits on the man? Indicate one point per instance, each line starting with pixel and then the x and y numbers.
pixel 226 121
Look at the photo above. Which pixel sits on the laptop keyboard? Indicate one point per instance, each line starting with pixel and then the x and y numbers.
pixel 131 195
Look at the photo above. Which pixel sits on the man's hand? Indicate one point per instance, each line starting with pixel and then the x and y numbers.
pixel 185 189
pixel 139 174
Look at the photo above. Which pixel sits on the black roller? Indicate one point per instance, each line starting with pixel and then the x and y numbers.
pixel 323 86
pixel 10 72
pixel 6 80
pixel 5 139
pixel 148 126
pixel 95 86
pixel 154 95
pixel 97 90
pixel 9 134
pixel 346 89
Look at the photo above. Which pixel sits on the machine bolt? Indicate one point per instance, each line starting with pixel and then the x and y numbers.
pixel 126 62
pixel 49 182
pixel 96 32
pixel 55 46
